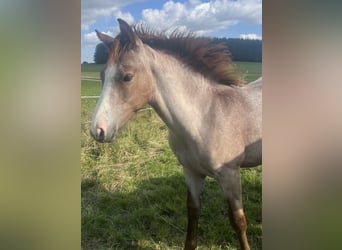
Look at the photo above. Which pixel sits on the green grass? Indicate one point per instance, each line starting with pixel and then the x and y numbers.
pixel 91 67
pixel 133 190
pixel 249 71
pixel 90 88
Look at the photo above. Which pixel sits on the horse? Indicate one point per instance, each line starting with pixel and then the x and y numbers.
pixel 213 117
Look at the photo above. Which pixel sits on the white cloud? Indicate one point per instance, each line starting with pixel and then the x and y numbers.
pixel 195 15
pixel 125 16
pixel 90 40
pixel 204 17
pixel 93 10
pixel 250 37
pixel 88 44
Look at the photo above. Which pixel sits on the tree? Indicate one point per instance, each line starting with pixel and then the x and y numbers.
pixel 101 54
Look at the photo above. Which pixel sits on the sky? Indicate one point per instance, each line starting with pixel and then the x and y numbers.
pixel 216 18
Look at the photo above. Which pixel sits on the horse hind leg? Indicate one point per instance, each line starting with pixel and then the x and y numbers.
pixel 194 184
pixel 238 221
pixel 231 184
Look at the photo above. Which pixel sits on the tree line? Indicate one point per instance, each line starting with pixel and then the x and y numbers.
pixel 245 50
pixel 241 50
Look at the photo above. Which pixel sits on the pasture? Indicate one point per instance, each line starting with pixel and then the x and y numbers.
pixel 133 190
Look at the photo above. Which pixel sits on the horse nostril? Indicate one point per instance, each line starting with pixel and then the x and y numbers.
pixel 100 134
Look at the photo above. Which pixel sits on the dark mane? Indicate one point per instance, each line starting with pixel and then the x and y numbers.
pixel 212 60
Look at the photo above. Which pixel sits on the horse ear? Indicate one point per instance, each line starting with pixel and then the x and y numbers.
pixel 127 35
pixel 107 40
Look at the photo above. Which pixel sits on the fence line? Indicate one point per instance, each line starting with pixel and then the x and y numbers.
pixel 90 79
pixel 89 96
pixel 141 110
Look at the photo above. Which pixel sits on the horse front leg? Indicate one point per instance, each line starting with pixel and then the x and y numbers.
pixel 195 186
pixel 193 216
pixel 231 184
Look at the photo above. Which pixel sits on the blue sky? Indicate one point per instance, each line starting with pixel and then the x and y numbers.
pixel 219 18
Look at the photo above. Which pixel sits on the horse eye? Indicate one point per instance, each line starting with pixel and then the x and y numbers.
pixel 128 77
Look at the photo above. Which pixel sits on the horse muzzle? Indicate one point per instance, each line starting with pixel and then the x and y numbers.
pixel 101 134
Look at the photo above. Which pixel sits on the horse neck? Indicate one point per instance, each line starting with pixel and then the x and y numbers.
pixel 181 96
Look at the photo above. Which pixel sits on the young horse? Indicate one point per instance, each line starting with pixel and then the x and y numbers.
pixel 214 123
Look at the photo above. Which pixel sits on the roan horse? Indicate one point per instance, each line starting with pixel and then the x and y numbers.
pixel 214 120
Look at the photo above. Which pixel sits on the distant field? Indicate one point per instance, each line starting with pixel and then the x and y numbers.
pixel 249 71
pixel 133 190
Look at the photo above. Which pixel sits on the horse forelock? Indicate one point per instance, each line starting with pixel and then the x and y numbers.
pixel 116 51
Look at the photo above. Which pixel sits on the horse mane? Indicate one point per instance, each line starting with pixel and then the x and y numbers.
pixel 200 53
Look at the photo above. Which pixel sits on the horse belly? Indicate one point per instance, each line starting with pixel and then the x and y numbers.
pixel 253 155
pixel 197 162
pixel 192 157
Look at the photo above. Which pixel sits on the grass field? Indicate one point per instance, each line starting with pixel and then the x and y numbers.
pixel 133 190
